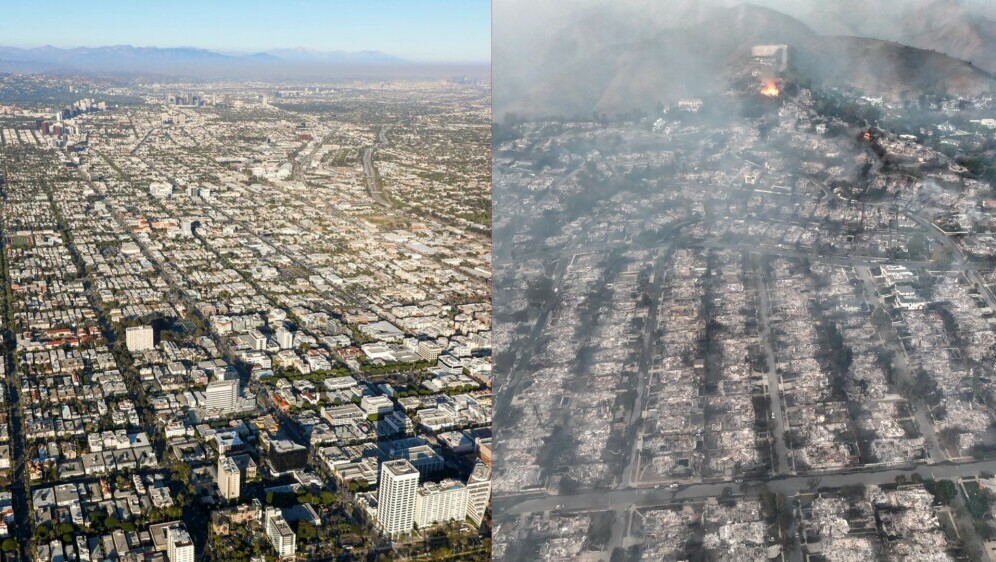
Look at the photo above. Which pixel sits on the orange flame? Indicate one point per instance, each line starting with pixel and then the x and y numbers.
pixel 770 89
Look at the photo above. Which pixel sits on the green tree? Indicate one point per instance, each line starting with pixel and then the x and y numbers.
pixel 943 490
pixel 306 531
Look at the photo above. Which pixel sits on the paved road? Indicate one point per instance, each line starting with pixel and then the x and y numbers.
pixel 144 138
pixel 19 486
pixel 961 262
pixel 506 390
pixel 304 162
pixel 630 475
pixel 801 254
pixel 659 275
pixel 512 506
pixel 890 341
pixel 782 465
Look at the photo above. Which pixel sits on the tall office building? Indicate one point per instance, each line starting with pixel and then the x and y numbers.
pixel 140 338
pixel 229 478
pixel 281 536
pixel 478 492
pixel 222 396
pixel 438 503
pixel 396 496
pixel 180 548
pixel 285 455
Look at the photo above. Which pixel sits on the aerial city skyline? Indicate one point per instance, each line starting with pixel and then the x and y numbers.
pixel 245 302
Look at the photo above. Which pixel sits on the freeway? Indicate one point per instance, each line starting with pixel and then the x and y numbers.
pixel 373 185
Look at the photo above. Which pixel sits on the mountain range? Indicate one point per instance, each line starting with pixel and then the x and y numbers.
pixel 964 29
pixel 608 60
pixel 181 60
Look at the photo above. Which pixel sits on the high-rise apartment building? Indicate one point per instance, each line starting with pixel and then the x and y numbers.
pixel 229 478
pixel 440 502
pixel 281 536
pixel 285 338
pixel 179 546
pixel 222 396
pixel 396 496
pixel 140 338
pixel 478 492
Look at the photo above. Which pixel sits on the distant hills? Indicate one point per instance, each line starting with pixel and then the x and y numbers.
pixel 600 62
pixel 179 60
pixel 964 29
pixel 337 57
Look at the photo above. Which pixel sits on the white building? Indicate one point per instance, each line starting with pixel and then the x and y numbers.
pixel 281 536
pixel 429 350
pixel 179 546
pixel 187 227
pixel 285 338
pixel 396 497
pixel 140 338
pixel 222 396
pixel 376 405
pixel 258 340
pixel 160 190
pixel 691 104
pixel 478 492
pixel 438 503
pixel 229 478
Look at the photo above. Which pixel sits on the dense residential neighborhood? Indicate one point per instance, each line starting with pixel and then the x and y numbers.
pixel 231 313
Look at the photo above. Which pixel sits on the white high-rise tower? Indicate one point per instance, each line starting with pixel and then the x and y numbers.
pixel 396 496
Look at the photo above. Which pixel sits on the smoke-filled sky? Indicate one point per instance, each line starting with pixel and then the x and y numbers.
pixel 519 18
pixel 591 52
pixel 519 24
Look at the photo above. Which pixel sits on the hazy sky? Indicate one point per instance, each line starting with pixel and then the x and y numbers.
pixel 423 30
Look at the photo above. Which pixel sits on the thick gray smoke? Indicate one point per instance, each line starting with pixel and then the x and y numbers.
pixel 555 58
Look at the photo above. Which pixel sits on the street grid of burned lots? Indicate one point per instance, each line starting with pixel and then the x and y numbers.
pixel 816 309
